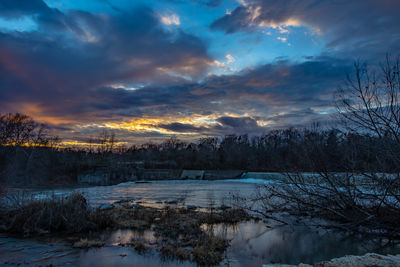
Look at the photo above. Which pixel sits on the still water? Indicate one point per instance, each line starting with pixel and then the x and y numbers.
pixel 251 243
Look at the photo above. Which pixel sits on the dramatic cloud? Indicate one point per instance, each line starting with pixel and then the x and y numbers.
pixel 274 95
pixel 153 71
pixel 222 126
pixel 354 26
pixel 64 70
pixel 181 127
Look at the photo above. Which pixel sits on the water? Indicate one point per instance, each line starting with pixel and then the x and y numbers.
pixel 252 243
pixel 195 192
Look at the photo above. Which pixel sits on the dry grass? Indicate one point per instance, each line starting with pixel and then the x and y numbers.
pixel 182 237
pixel 209 250
pixel 178 231
pixel 71 215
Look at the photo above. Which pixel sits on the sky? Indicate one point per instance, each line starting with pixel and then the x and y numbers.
pixel 155 69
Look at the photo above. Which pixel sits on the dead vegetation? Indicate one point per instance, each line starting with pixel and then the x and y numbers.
pixel 337 199
pixel 363 195
pixel 70 215
pixel 182 237
pixel 178 231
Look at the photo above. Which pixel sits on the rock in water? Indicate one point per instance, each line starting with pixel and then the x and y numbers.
pixel 369 259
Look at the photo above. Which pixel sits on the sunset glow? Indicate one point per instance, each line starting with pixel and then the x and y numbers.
pixel 152 70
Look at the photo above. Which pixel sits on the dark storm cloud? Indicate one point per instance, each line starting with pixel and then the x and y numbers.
pixel 352 26
pixel 238 125
pixel 292 93
pixel 181 127
pixel 248 125
pixel 277 87
pixel 281 93
pixel 234 122
pixel 223 126
pixel 70 80
pixel 61 70
pixel 95 68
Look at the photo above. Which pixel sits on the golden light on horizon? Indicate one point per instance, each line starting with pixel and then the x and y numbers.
pixel 143 125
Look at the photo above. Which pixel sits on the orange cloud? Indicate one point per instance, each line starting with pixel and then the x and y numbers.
pixel 39 114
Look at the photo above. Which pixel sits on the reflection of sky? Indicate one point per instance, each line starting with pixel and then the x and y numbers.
pixel 252 244
pixel 155 69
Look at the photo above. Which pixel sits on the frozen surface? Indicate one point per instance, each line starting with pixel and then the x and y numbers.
pixel 252 244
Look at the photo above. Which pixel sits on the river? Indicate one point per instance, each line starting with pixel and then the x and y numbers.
pixel 252 243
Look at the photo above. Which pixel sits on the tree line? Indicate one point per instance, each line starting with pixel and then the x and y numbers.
pixel 279 150
pixel 28 156
pixel 369 141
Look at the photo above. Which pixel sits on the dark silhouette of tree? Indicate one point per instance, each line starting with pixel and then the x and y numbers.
pixel 105 142
pixel 358 174
pixel 18 129
pixel 370 100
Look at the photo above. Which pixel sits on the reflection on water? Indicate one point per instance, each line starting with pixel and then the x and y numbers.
pixel 18 252
pixel 126 236
pixel 252 243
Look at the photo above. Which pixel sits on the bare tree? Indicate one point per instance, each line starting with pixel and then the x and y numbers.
pixel 25 149
pixel 18 129
pixel 106 142
pixel 370 99
pixel 363 199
